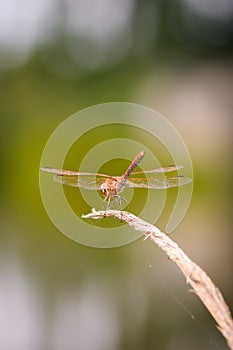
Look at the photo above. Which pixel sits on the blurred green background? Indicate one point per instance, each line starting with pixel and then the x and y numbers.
pixel 56 58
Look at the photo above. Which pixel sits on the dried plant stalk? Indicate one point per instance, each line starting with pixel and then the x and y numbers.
pixel 202 285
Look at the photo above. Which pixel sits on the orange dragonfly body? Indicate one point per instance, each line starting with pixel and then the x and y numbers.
pixel 111 186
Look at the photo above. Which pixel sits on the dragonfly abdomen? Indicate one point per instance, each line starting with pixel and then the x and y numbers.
pixel 132 166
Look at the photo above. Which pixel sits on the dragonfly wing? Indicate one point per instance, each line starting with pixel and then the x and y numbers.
pixel 87 182
pixel 90 181
pixel 70 172
pixel 158 183
pixel 166 169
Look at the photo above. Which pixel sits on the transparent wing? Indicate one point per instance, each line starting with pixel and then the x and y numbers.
pixel 166 169
pixel 81 181
pixel 158 183
pixel 89 181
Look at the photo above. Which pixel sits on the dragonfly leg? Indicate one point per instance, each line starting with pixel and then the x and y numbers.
pixel 111 200
pixel 106 200
pixel 119 200
pixel 108 203
pixel 103 205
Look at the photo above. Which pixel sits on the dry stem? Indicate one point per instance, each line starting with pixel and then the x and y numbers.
pixel 202 285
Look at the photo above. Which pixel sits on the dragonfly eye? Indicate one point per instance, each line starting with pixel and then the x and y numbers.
pixel 103 190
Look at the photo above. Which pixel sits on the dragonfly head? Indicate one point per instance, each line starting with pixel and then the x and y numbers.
pixel 109 188
pixel 104 190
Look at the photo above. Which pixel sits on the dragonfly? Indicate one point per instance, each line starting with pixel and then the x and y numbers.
pixel 111 186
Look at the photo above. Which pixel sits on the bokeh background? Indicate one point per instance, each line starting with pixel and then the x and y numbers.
pixel 57 57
